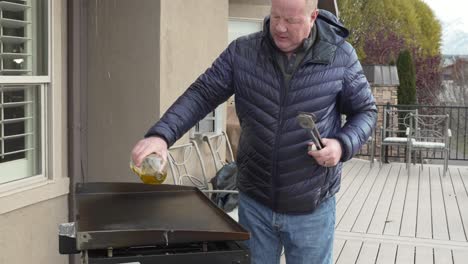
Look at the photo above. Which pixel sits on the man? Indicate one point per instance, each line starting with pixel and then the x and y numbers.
pixel 300 62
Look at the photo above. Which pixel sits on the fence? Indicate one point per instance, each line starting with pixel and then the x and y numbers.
pixel 458 125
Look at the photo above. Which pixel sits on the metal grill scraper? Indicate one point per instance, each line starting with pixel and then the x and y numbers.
pixel 307 121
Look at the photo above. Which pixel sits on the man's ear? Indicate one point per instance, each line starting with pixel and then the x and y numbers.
pixel 314 15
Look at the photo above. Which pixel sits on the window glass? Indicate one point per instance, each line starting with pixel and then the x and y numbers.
pixel 208 124
pixel 24 45
pixel 20 131
pixel 23 37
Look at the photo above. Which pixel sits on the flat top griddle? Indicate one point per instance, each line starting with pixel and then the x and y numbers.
pixel 132 214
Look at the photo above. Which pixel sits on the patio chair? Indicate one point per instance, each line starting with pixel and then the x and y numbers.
pixel 224 161
pixel 188 168
pixel 395 129
pixel 431 133
pixel 216 143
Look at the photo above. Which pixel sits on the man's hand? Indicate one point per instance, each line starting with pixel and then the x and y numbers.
pixel 330 155
pixel 147 146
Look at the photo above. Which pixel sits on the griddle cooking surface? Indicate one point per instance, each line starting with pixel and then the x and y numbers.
pixel 133 214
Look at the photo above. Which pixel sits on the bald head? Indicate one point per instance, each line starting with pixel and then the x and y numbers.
pixel 310 5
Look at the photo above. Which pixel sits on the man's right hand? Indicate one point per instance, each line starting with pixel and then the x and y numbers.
pixel 147 146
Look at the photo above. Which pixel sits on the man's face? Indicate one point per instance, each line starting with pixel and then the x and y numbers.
pixel 290 23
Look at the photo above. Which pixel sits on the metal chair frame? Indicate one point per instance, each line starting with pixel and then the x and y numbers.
pixel 180 157
pixel 430 133
pixel 187 167
pixel 395 129
pixel 215 143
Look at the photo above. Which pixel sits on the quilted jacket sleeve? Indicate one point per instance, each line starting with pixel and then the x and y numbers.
pixel 210 89
pixel 358 104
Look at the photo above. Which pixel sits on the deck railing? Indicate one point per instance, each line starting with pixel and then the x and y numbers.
pixel 458 141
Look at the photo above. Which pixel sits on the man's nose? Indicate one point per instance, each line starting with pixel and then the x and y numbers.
pixel 280 27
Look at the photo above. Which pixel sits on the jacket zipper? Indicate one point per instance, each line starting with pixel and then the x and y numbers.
pixel 275 146
pixel 283 93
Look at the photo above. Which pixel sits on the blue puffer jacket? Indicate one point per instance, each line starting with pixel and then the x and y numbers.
pixel 274 168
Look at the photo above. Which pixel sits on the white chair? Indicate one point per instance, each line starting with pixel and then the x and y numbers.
pixel 220 146
pixel 216 144
pixel 395 129
pixel 188 168
pixel 431 133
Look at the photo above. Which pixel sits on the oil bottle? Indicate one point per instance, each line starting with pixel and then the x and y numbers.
pixel 152 169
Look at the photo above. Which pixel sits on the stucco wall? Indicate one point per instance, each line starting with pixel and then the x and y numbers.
pixel 123 83
pixel 141 57
pixel 193 34
pixel 30 234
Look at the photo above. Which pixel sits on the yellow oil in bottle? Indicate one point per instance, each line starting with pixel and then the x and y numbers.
pixel 157 178
pixel 151 171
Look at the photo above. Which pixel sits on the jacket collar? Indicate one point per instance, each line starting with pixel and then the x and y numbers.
pixel 330 33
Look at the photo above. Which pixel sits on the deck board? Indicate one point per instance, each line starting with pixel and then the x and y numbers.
pixel 348 197
pixel 389 215
pixel 361 225
pixel 454 221
pixel 346 222
pixel 368 254
pixel 386 215
pixel 424 218
pixel 386 254
pixel 461 196
pixel 405 255
pixel 442 256
pixel 380 215
pixel 409 219
pixel 424 255
pixel 464 176
pixel 337 248
pixel 347 181
pixel 459 256
pixel 439 216
pixel 393 223
pixel 350 252
pixel 347 166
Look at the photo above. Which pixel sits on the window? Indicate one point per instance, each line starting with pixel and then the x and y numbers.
pixel 24 82
pixel 209 124
pixel 237 27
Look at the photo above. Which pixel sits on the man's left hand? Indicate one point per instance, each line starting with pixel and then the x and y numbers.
pixel 330 155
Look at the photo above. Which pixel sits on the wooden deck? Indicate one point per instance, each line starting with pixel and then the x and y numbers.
pixel 384 216
pixel 387 215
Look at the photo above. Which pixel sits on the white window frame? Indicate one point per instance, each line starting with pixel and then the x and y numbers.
pixel 218 118
pixel 257 21
pixel 44 81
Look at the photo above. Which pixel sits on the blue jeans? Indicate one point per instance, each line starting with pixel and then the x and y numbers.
pixel 306 238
